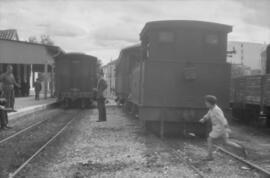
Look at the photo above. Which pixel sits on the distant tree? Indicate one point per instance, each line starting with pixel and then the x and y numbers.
pixel 45 39
pixel 33 39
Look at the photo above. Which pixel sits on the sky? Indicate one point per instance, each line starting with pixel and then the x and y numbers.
pixel 102 27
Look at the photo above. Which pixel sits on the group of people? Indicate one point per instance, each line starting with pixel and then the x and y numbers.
pixel 7 95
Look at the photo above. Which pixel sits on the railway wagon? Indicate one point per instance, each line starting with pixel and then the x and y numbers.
pixel 127 60
pixel 181 62
pixel 75 79
pixel 251 97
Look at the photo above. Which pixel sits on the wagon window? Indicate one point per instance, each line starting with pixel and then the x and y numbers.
pixel 166 37
pixel 212 45
pixel 212 39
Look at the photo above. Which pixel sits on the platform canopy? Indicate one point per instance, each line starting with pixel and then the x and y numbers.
pixel 18 52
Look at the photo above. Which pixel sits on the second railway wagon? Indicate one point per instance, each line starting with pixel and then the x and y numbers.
pixel 181 62
pixel 75 79
pixel 251 97
pixel 128 58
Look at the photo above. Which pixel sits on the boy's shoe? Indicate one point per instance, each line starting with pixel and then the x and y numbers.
pixel 208 158
pixel 244 152
pixel 101 121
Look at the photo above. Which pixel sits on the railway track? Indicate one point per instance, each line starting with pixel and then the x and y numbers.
pixel 22 155
pixel 22 131
pixel 17 171
pixel 3 140
pixel 248 163
pixel 181 155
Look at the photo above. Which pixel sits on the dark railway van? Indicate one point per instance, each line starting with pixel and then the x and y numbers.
pixel 181 62
pixel 129 57
pixel 251 97
pixel 75 79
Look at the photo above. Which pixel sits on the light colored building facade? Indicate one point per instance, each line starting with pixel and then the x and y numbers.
pixel 263 61
pixel 246 53
pixel 109 75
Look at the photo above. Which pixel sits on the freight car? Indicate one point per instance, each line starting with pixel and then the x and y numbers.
pixel 181 62
pixel 129 57
pixel 75 78
pixel 251 97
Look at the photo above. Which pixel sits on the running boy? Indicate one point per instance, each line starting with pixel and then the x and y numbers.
pixel 220 128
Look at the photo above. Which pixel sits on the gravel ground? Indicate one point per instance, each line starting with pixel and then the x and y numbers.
pixel 116 148
pixel 15 151
pixel 223 165
pixel 121 148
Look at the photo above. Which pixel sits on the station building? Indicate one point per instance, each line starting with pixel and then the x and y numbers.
pixel 29 61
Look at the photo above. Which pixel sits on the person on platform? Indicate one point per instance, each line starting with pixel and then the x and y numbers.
pixel 3 114
pixel 25 88
pixel 220 127
pixel 9 83
pixel 101 87
pixel 38 87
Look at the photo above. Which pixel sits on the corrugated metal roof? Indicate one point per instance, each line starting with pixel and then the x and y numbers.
pixel 10 34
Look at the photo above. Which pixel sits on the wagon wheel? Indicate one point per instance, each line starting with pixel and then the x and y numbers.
pixel 261 120
pixel 83 103
pixel 125 107
pixel 66 103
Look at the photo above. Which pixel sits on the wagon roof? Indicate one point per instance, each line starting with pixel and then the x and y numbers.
pixel 136 46
pixel 130 49
pixel 75 54
pixel 185 24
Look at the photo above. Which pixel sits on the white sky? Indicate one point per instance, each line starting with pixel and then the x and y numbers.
pixel 103 27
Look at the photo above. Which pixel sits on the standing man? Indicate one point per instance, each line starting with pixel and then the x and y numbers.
pixel 101 87
pixel 9 82
pixel 3 115
pixel 38 87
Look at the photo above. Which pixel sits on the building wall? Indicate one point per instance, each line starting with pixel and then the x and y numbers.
pixel 248 54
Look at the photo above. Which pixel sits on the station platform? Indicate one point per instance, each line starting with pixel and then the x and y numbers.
pixel 28 105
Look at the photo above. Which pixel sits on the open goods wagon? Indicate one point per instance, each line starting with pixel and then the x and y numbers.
pixel 251 97
pixel 75 79
pixel 181 62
